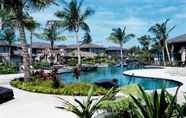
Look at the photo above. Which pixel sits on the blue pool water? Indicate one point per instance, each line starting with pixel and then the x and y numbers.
pixel 110 73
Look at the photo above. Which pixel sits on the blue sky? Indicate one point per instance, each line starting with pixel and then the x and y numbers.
pixel 137 15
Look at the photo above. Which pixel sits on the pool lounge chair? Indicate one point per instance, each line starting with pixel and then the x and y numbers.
pixel 6 94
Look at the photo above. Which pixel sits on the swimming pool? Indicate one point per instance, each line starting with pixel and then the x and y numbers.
pixel 110 73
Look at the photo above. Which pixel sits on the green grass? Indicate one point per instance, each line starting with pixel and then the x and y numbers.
pixel 45 86
pixel 115 105
pixel 132 89
pixel 7 69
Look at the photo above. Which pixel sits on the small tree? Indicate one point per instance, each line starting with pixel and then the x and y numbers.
pixel 119 36
pixel 145 43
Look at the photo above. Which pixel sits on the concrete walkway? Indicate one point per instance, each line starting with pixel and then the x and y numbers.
pixel 31 105
pixel 170 73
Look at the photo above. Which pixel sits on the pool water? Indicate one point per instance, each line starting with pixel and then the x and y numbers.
pixel 110 73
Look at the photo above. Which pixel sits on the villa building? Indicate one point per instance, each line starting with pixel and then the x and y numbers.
pixel 115 51
pixel 91 47
pixel 178 45
pixel 40 50
pixel 9 52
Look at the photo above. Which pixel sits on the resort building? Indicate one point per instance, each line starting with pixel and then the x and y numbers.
pixel 91 48
pixel 178 48
pixel 42 51
pixel 115 51
pixel 9 52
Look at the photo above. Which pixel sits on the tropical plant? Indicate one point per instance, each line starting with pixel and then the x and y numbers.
pixel 73 18
pixel 31 25
pixel 145 42
pixel 161 32
pixel 20 10
pixel 87 108
pixel 119 36
pixel 52 34
pixel 161 105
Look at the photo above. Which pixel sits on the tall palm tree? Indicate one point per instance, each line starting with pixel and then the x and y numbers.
pixel 31 26
pixel 161 32
pixel 119 36
pixel 20 9
pixel 73 18
pixel 52 34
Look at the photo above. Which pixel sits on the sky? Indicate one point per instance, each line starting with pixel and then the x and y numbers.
pixel 137 15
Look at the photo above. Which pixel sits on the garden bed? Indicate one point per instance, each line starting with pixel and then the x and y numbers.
pixel 46 86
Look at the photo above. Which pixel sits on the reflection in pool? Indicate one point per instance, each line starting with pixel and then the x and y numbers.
pixel 110 73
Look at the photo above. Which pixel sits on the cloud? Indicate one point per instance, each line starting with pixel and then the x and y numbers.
pixel 181 16
pixel 168 9
pixel 43 17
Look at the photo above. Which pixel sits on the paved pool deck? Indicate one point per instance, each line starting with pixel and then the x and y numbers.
pixel 36 105
pixel 31 105
pixel 169 73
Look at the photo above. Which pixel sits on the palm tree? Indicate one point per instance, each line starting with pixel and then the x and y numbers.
pixel 87 38
pixel 52 34
pixel 73 18
pixel 161 33
pixel 145 43
pixel 87 108
pixel 31 26
pixel 119 36
pixel 20 8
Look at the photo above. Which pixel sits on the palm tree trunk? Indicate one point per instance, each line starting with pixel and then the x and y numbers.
pixel 78 48
pixel 25 54
pixel 121 54
pixel 167 50
pixel 9 55
pixel 172 55
pixel 31 34
pixel 163 56
pixel 52 52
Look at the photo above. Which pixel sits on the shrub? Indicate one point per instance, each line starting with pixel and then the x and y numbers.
pixel 46 86
pixel 72 61
pixel 41 65
pixel 119 108
pixel 8 69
